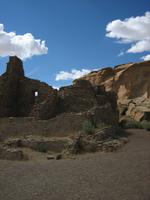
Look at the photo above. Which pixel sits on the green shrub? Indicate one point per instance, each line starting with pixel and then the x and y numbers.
pixel 88 127
pixel 135 124
pixel 146 125
pixel 132 124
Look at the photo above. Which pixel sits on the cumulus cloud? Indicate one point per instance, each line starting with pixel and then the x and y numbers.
pixel 147 57
pixel 139 47
pixel 133 30
pixel 24 46
pixel 74 74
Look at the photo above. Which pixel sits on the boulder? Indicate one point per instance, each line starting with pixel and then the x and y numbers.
pixel 139 111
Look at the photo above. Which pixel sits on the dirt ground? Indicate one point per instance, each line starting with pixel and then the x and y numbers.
pixel 121 175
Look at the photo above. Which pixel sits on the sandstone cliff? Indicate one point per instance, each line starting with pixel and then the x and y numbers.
pixel 131 83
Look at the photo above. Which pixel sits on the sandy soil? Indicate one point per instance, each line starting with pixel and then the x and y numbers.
pixel 123 175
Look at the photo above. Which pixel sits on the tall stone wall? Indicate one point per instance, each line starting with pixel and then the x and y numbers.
pixel 17 92
pixel 50 112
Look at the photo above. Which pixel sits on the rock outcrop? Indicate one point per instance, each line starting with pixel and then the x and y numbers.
pixel 131 83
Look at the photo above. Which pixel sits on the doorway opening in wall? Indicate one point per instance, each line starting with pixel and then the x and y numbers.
pixel 36 93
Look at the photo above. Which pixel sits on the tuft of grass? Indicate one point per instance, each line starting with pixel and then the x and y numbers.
pixel 88 127
pixel 138 125
pixel 146 125
pixel 132 124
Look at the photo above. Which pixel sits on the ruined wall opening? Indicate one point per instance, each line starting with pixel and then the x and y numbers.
pixel 36 94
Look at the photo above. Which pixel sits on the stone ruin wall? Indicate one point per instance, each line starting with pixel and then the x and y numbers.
pixel 52 112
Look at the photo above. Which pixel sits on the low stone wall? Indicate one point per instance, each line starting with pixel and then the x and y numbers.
pixel 67 124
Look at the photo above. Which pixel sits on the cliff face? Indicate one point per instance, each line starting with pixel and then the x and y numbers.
pixel 131 82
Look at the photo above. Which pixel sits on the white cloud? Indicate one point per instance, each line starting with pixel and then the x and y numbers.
pixel 139 47
pixel 147 57
pixel 134 30
pixel 24 46
pixel 56 87
pixel 74 74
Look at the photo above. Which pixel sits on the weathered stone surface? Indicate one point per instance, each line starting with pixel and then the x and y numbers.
pixel 139 110
pixel 41 144
pixel 62 125
pixel 17 93
pixel 103 114
pixel 18 98
pixel 112 144
pixel 105 139
pixel 77 98
pixel 104 133
pixel 130 82
pixel 101 76
pixel 12 154
pixel 47 108
pixel 15 67
pixel 91 102
pixel 51 112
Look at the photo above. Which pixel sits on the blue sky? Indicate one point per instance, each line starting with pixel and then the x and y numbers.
pixel 74 32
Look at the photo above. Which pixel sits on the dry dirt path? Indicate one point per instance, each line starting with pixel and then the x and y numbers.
pixel 124 175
